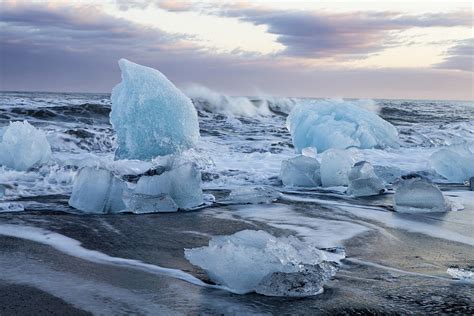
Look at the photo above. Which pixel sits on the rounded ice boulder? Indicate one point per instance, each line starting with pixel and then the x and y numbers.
pixel 150 115
pixel 325 124
pixel 418 195
pixel 23 146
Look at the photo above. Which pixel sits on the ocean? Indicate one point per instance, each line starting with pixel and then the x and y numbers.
pixel 395 263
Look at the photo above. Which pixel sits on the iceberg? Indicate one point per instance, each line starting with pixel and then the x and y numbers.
pixel 325 124
pixel 181 183
pixel 300 171
pixel 255 261
pixel 363 181
pixel 22 146
pixel 150 115
pixel 418 195
pixel 455 164
pixel 335 167
pixel 97 191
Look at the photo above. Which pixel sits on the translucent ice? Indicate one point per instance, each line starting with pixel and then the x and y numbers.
pixel 418 195
pixel 255 261
pixel 144 204
pixel 252 195
pixel 455 164
pixel 182 183
pixel 150 115
pixel 22 146
pixel 97 191
pixel 363 181
pixel 325 124
pixel 335 167
pixel 300 171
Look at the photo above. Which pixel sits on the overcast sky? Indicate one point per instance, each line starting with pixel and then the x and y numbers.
pixel 417 49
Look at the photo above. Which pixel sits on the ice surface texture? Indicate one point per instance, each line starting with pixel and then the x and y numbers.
pixel 335 167
pixel 418 195
pixel 363 181
pixel 255 261
pixel 325 124
pixel 455 163
pixel 300 171
pixel 22 146
pixel 97 191
pixel 150 115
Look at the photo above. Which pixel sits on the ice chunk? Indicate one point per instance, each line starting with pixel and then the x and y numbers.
pixel 335 167
pixel 255 261
pixel 22 146
pixel 363 181
pixel 97 191
pixel 10 207
pixel 252 195
pixel 144 204
pixel 300 171
pixel 455 164
pixel 326 124
pixel 182 184
pixel 150 115
pixel 418 195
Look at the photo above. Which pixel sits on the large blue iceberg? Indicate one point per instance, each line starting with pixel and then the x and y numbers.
pixel 150 115
pixel 325 124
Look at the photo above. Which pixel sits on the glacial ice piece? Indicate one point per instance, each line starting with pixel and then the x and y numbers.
pixel 363 181
pixel 97 191
pixel 335 167
pixel 255 261
pixel 182 184
pixel 252 195
pixel 418 195
pixel 150 115
pixel 341 124
pixel 300 171
pixel 144 204
pixel 455 164
pixel 22 146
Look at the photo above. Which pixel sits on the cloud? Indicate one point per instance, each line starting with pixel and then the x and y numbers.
pixel 322 34
pixel 460 56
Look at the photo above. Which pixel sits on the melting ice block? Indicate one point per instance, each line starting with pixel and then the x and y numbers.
pixel 150 115
pixel 455 164
pixel 363 181
pixel 300 171
pixel 252 195
pixel 255 261
pixel 417 195
pixel 325 124
pixel 335 167
pixel 22 146
pixel 182 183
pixel 144 204
pixel 97 191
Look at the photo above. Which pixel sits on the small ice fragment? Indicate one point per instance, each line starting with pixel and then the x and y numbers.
pixel 7 207
pixel 326 124
pixel 252 195
pixel 455 163
pixel 335 167
pixel 150 115
pixel 182 183
pixel 418 195
pixel 364 181
pixel 255 261
pixel 300 171
pixel 144 204
pixel 461 274
pixel 97 191
pixel 22 146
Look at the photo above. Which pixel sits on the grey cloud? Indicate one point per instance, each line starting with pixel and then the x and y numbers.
pixel 460 56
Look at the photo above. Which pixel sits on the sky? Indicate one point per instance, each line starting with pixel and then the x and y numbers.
pixel 363 49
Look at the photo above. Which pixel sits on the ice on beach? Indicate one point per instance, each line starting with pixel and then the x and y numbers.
pixel 300 171
pixel 144 204
pixel 335 167
pixel 252 195
pixel 22 146
pixel 97 191
pixel 150 115
pixel 363 181
pixel 455 163
pixel 182 183
pixel 255 261
pixel 418 195
pixel 341 124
